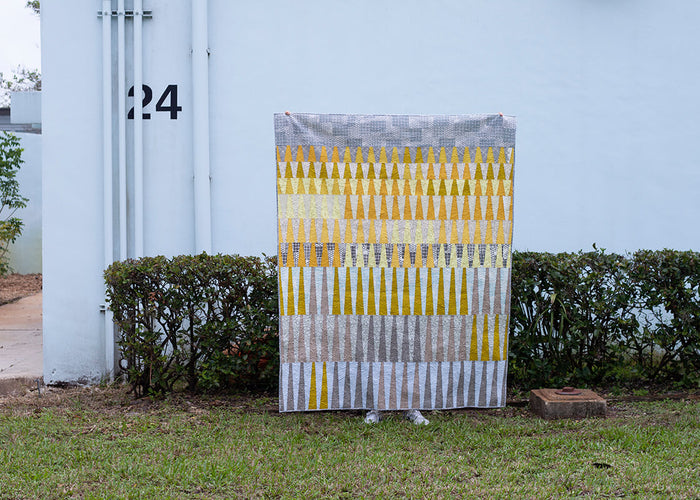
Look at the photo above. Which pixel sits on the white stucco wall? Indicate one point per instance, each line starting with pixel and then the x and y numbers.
pixel 25 253
pixel 605 95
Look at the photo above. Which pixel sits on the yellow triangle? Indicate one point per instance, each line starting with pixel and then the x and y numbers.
pixel 288 154
pixel 489 209
pixel 370 156
pixel 335 157
pixel 288 171
pixel 443 210
pixel 336 235
pixel 454 175
pixel 489 172
pixel 489 155
pixel 452 301
pixel 441 293
pixel 477 157
pixel 419 188
pixel 312 154
pixel 312 389
pixel 496 344
pixel 300 154
pixel 455 187
pixel 325 261
pixel 277 151
pixel 429 311
pixel 443 156
pixel 454 236
pixel 382 293
pixel 395 170
pixel 290 233
pixel 443 171
pixel 382 155
pixel 501 214
pixel 431 156
pixel 465 238
pixel 463 305
pixel 347 174
pixel 431 209
pixel 359 172
pixel 395 188
pixel 466 173
pixel 346 155
pixel 406 297
pixel 395 215
pixel 371 306
pixel 473 353
pixel 372 212
pixel 312 189
pixel 323 173
pixel 442 191
pixel 431 188
pixel 394 294
pixel 324 154
pixel 336 291
pixel 407 155
pixel 324 389
pixel 302 291
pixel 360 209
pixel 431 172
pixel 501 155
pixel 360 232
pixel 348 208
pixel 384 237
pixel 419 155
pixel 478 175
pixel 419 256
pixel 348 293
pixel 419 209
pixel 500 238
pixel 467 156
pixel 477 235
pixel 384 213
pixel 382 172
pixel 455 156
pixel 407 213
pixel 334 173
pixel 336 187
pixel 370 172
pixel 430 261
pixel 417 305
pixel 372 238
pixel 512 158
pixel 358 155
pixel 290 290
pixel 394 155
pixel 485 340
pixel 477 209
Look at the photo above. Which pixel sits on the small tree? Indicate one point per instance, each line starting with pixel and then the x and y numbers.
pixel 10 199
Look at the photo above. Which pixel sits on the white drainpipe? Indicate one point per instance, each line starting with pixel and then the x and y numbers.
pixel 200 126
pixel 121 110
pixel 138 130
pixel 107 170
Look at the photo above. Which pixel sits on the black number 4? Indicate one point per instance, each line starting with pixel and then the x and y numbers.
pixel 169 94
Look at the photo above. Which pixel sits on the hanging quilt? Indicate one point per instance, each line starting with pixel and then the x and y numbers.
pixel 394 260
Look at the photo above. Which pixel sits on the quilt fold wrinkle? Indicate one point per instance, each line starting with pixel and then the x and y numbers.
pixel 394 254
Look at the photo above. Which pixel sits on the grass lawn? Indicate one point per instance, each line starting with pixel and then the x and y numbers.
pixel 100 443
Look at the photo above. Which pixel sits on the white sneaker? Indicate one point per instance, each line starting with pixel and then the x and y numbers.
pixel 416 417
pixel 373 417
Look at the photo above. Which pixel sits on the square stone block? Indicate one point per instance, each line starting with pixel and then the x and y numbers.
pixel 548 404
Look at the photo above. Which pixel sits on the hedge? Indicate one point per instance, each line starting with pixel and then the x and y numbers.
pixel 209 322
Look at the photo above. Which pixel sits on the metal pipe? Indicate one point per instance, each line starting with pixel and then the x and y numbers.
pixel 138 130
pixel 107 171
pixel 200 127
pixel 121 112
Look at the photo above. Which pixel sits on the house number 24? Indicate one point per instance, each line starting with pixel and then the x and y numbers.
pixel 167 102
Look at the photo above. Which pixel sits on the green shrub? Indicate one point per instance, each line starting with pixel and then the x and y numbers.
pixel 207 321
pixel 587 319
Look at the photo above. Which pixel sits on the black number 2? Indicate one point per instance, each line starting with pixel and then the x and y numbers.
pixel 169 94
pixel 147 97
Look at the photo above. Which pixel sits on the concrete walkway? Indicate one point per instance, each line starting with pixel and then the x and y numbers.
pixel 21 356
